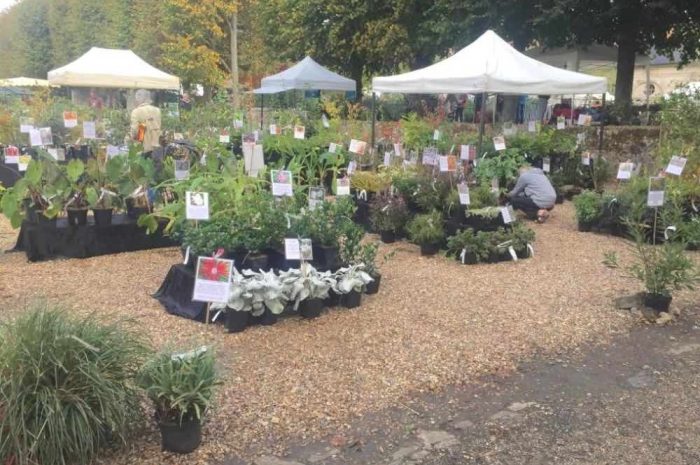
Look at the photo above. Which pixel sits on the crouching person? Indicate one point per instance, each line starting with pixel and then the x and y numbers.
pixel 533 194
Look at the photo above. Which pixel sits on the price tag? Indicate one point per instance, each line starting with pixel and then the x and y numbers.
pixel 448 163
pixel 546 164
pixel 624 171
pixel 676 165
pixel 212 280
pixel 463 190
pixel 467 152
pixel 299 132
pixel 436 134
pixel 70 119
pixel 197 205
pixel 12 155
pixel 508 214
pixel 35 138
pixel 499 143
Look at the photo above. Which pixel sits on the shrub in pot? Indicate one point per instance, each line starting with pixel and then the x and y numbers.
pixel 588 209
pixel 262 294
pixel 77 203
pixel 388 215
pixel 36 195
pixel 67 386
pixel 349 283
pixel 368 259
pixel 469 247
pixel 661 268
pixel 427 231
pixel 181 387
pixel 307 288
pixel 326 225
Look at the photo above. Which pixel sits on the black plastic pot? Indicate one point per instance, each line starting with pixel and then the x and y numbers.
pixel 77 217
pixel 43 220
pixel 180 438
pixel 427 250
pixel 326 257
pixel 133 212
pixel 351 300
pixel 31 212
pixel 584 227
pixel 452 227
pixel 236 321
pixel 310 308
pixel 373 287
pixel 387 237
pixel 333 299
pixel 103 216
pixel 266 319
pixel 469 258
pixel 256 262
pixel 657 302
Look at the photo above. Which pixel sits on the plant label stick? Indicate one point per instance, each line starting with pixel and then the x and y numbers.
pixel 292 249
pixel 561 122
pixel 586 158
pixel 332 147
pixel 436 134
pixel 676 165
pixel 499 143
pixel 343 187
pixel 387 158
pixel 70 119
pixel 463 190
pixel 224 137
pixel 546 164
pixel 299 132
pixel 212 280
pixel 197 205
pixel 397 150
pixel 625 171
pixel 655 195
pixel 89 131
pixel 281 183
pixel 508 214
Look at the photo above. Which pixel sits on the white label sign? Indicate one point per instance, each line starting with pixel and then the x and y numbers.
pixel 467 152
pixel 23 162
pixel 282 183
pixel 332 147
pixel 397 150
pixel 508 214
pixel 35 138
pixel 463 190
pixel 436 134
pixel 357 146
pixel 430 156
pixel 387 158
pixel 292 249
pixel 342 187
pixel 624 171
pixel 546 164
pixel 182 169
pixel 212 280
pixel 352 166
pixel 586 158
pixel 299 132
pixel 561 122
pixel 676 165
pixel 224 137
pixel 89 130
pixel 197 205
pixel 499 143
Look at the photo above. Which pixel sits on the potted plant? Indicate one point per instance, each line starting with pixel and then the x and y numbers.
pixel 76 204
pixel 469 247
pixel 427 231
pixel 588 209
pixel 100 192
pixel 239 306
pixel 307 288
pixel 662 269
pixel 35 197
pixel 263 293
pixel 326 225
pixel 101 204
pixel 181 387
pixel 388 215
pixel 349 284
pixel 368 259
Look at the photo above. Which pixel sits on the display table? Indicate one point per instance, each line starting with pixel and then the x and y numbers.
pixel 175 294
pixel 43 241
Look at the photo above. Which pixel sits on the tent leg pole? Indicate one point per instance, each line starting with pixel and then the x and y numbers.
pixel 482 123
pixel 374 117
pixel 262 106
pixel 602 128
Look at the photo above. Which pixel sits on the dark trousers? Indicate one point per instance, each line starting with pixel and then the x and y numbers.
pixel 459 114
pixel 524 203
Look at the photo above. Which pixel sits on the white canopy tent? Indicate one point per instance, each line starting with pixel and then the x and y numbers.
pixel 576 57
pixel 305 75
pixel 490 64
pixel 111 68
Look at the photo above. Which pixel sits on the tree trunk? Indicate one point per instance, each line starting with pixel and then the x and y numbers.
pixel 233 26
pixel 626 54
pixel 356 74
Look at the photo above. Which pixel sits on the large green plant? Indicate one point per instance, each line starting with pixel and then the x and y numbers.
pixel 426 228
pixel 66 386
pixel 389 213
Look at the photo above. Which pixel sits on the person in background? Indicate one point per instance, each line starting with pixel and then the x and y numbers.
pixel 145 122
pixel 185 101
pixel 95 101
pixel 533 193
pixel 459 108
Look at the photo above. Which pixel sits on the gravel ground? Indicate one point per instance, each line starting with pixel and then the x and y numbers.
pixel 434 323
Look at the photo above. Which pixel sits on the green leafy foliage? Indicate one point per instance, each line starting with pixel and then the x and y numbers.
pixel 66 386
pixel 426 228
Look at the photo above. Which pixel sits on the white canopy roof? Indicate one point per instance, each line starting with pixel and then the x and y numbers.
pixel 104 67
pixel 305 75
pixel 24 82
pixel 575 57
pixel 489 64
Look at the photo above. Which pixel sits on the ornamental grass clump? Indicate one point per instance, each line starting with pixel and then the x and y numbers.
pixel 66 387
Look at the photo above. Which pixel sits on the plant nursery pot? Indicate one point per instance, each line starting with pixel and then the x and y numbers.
pixel 180 438
pixel 584 227
pixel 427 250
pixel 103 216
pixel 310 308
pixel 658 302
pixel 32 214
pixel 236 321
pixel 133 212
pixel 326 257
pixel 333 299
pixel 373 287
pixel 351 300
pixel 266 319
pixel 77 217
pixel 452 227
pixel 256 262
pixel 387 237
pixel 469 259
pixel 43 220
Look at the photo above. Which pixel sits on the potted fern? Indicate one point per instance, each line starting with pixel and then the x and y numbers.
pixel 181 387
pixel 427 231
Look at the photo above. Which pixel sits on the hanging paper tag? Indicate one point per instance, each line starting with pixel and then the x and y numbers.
pixel 655 195
pixel 499 143
pixel 35 138
pixel 299 132
pixel 624 171
pixel 332 147
pixel 70 119
pixel 352 165
pixel 676 165
pixel 561 122
pixel 430 156
pixel 316 197
pixel 546 164
pixel 357 146
pixel 282 183
pixel 12 155
pixel 89 130
pixel 467 152
pixel 436 134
